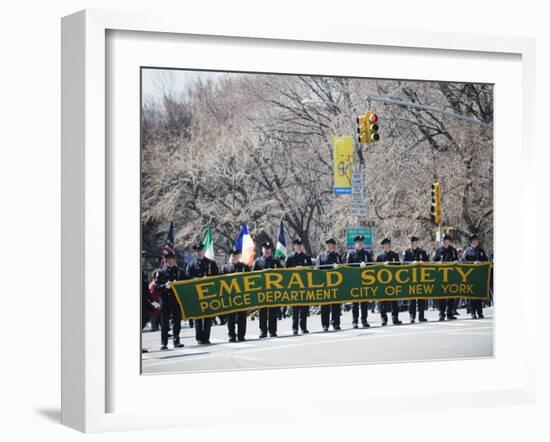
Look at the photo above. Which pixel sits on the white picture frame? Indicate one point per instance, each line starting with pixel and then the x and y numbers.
pixel 87 214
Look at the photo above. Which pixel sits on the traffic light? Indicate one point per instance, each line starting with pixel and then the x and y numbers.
pixel 367 128
pixel 435 209
pixel 372 125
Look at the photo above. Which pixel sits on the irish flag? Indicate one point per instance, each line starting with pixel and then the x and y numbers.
pixel 245 244
pixel 208 243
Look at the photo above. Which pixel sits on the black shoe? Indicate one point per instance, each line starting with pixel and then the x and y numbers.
pixel 474 316
pixel 481 316
pixel 355 325
pixel 422 320
pixel 294 332
pixel 178 345
pixel 232 339
pixel 263 335
pixel 451 318
pixel 273 335
pixel 305 332
pixel 397 322
pixel 164 347
pixel 207 342
pixel 384 322
pixel 366 324
pixel 144 350
pixel 441 318
pixel 412 320
pixel 325 329
pixel 241 339
pixel 336 327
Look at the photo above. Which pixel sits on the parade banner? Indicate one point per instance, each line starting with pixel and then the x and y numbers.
pixel 218 295
pixel 343 164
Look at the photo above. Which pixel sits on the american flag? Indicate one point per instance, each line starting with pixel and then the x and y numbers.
pixel 170 246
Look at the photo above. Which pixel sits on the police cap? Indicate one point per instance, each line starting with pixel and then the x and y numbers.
pixel 359 238
pixel 385 241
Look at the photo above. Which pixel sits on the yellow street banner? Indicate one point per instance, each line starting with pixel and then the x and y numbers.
pixel 343 164
pixel 222 294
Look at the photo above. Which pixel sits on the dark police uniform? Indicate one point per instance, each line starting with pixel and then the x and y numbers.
pixel 448 254
pixel 268 315
pixel 355 257
pixel 169 305
pixel 390 256
pixel 145 298
pixel 238 318
pixel 473 254
pixel 328 259
pixel 409 256
pixel 199 269
pixel 299 312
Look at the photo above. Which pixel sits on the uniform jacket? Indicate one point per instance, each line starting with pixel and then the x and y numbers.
pixel 443 254
pixel 202 267
pixel 417 254
pixel 357 256
pixel 234 268
pixel 167 274
pixel 298 259
pixel 390 256
pixel 266 262
pixel 327 258
pixel 474 254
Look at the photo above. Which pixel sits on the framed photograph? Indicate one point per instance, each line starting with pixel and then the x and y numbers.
pixel 298 205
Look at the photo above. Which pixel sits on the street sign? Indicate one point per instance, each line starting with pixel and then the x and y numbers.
pixel 357 183
pixel 367 232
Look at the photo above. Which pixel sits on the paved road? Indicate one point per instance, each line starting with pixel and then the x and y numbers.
pixel 463 338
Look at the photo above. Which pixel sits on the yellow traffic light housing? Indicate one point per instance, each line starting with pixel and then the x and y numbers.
pixel 367 128
pixel 435 209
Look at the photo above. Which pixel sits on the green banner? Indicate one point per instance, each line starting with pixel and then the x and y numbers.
pixel 218 295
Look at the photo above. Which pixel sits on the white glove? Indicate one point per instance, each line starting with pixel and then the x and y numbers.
pixel 168 285
pixel 363 264
pixel 155 304
pixel 335 265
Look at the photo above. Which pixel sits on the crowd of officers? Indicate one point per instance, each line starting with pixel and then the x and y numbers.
pixel 330 314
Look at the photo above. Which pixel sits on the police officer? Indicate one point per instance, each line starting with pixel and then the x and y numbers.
pixel 201 268
pixel 234 266
pixel 146 303
pixel 475 253
pixel 388 255
pixel 169 305
pixel 360 256
pixel 268 315
pixel 415 254
pixel 298 258
pixel 446 253
pixel 328 259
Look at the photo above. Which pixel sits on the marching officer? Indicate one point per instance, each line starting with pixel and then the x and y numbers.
pixel 388 255
pixel 201 268
pixel 475 253
pixel 446 253
pixel 268 315
pixel 234 266
pixel 360 256
pixel 169 305
pixel 146 303
pixel 328 259
pixel 298 258
pixel 415 254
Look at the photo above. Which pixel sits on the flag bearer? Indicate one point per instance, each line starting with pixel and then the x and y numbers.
pixel 360 256
pixel 475 253
pixel 268 315
pixel 328 259
pixel 169 306
pixel 298 258
pixel 388 255
pixel 234 266
pixel 446 253
pixel 415 254
pixel 202 268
